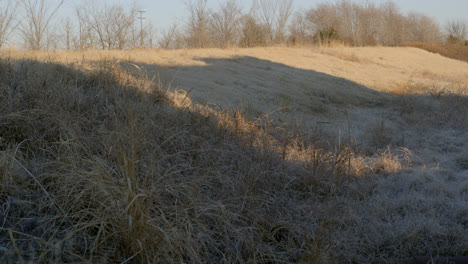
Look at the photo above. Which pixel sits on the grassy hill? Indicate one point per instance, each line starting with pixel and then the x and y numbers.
pixel 243 155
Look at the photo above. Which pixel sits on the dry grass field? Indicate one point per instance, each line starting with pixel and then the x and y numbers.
pixel 454 51
pixel 263 155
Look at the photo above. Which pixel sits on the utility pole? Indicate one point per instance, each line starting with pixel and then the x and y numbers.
pixel 141 27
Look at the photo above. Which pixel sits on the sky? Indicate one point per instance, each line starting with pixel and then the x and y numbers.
pixel 162 13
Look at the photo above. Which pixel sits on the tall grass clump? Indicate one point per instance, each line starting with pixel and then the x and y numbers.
pixel 99 163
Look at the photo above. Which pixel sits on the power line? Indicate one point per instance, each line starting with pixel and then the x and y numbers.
pixel 141 26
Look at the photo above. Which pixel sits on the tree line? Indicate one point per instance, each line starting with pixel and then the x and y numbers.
pixel 268 22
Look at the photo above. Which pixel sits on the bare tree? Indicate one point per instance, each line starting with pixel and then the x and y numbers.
pixel 354 23
pixel 68 32
pixel 111 24
pixel 266 13
pixel 252 33
pixel 100 26
pixel 457 31
pixel 274 15
pixel 345 9
pixel 225 23
pixel 300 29
pixel 122 23
pixel 7 21
pixel 393 29
pixel 150 34
pixel 134 36
pixel 422 28
pixel 364 23
pixel 285 9
pixel 39 16
pixel 168 37
pixel 197 26
pixel 366 19
pixel 85 37
pixel 141 37
pixel 52 38
pixel 325 21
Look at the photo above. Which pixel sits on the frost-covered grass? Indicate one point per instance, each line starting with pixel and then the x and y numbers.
pixel 103 160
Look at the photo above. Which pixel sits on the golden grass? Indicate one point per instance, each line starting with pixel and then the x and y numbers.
pixel 99 162
pixel 121 175
pixel 454 51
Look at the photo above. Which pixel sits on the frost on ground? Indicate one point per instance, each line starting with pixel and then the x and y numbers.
pixel 377 99
pixel 261 155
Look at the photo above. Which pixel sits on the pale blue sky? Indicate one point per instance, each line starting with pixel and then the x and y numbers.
pixel 164 12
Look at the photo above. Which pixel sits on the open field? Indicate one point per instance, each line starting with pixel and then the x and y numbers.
pixel 314 155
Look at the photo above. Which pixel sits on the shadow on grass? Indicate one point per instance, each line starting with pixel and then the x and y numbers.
pixel 227 81
pixel 99 166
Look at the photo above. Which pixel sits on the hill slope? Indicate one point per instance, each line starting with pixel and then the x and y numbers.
pixel 103 157
pixel 378 96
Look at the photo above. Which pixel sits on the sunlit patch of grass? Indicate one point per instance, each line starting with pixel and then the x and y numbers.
pixel 101 163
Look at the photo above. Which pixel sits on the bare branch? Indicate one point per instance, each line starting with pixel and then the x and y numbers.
pixel 168 36
pixel 7 21
pixel 111 24
pixel 284 12
pixel 225 23
pixel 266 13
pixel 197 25
pixel 457 30
pixel 38 18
